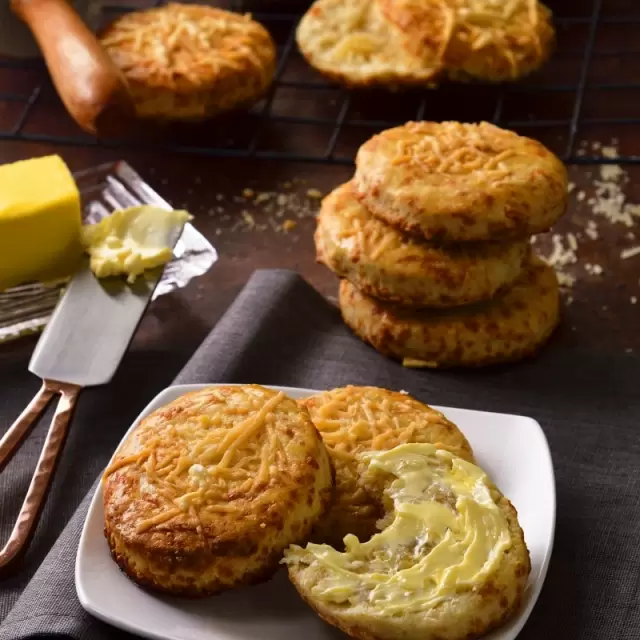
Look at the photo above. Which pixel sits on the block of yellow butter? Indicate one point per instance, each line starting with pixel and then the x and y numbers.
pixel 40 221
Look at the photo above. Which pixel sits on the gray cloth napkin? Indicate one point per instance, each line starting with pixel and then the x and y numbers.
pixel 280 331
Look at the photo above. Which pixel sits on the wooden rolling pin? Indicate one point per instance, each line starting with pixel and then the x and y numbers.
pixel 88 83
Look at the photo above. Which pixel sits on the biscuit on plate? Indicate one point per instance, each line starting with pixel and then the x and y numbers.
pixel 509 327
pixel 206 493
pixel 491 40
pixel 353 420
pixel 350 42
pixel 389 265
pixel 450 561
pixel 189 62
pixel 458 182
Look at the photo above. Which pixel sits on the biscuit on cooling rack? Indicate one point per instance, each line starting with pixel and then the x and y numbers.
pixel 458 182
pixel 353 420
pixel 190 62
pixel 508 328
pixel 389 265
pixel 207 492
pixel 493 40
pixel 350 42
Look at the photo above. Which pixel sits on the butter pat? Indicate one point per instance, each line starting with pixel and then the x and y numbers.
pixel 133 240
pixel 40 221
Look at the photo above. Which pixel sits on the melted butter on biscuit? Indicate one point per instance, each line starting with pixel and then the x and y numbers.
pixel 131 241
pixel 445 533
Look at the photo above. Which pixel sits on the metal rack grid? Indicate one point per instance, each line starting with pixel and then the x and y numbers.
pixel 591 84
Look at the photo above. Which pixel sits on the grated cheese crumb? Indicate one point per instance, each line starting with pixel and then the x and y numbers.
pixel 630 253
pixel 565 280
pixel 263 197
pixel 248 218
pixel 593 269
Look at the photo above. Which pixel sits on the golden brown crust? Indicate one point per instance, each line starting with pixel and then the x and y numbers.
pixel 459 182
pixel 185 61
pixel 466 615
pixel 350 42
pixel 352 420
pixel 386 264
pixel 207 492
pixel 508 328
pixel 484 39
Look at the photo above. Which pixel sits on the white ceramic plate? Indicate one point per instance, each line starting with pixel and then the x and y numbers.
pixel 512 449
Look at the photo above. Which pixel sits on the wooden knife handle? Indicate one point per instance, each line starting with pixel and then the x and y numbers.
pixel 88 83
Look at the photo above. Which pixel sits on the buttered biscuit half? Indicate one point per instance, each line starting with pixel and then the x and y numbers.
pixel 450 559
pixel 354 420
pixel 389 265
pixel 456 182
pixel 207 491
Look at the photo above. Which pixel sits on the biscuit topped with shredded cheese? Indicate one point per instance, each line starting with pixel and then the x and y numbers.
pixel 459 182
pixel 354 420
pixel 221 480
pixel 185 61
pixel 493 40
pixel 391 266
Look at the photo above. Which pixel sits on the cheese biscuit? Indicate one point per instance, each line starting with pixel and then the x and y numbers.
pixel 207 492
pixel 190 62
pixel 509 327
pixel 349 41
pixel 449 563
pixel 354 420
pixel 492 40
pixel 458 182
pixel 385 263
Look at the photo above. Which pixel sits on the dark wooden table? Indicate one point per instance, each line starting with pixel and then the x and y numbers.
pixel 599 307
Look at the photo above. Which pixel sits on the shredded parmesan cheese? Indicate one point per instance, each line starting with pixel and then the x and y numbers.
pixel 194 460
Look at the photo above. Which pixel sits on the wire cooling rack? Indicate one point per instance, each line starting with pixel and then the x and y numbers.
pixel 584 104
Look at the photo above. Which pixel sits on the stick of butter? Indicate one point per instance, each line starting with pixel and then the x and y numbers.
pixel 130 241
pixel 40 221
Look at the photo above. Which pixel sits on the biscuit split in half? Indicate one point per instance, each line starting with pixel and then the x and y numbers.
pixel 385 263
pixel 457 182
pixel 397 43
pixel 350 41
pixel 507 328
pixel 190 62
pixel 492 40
pixel 207 492
pixel 450 560
pixel 353 420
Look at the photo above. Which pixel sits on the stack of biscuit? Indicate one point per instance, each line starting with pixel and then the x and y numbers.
pixel 398 43
pixel 431 239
